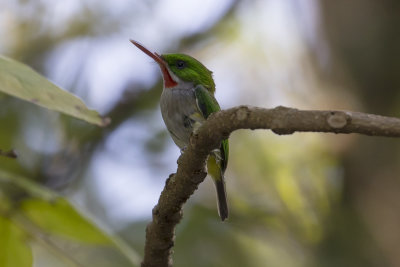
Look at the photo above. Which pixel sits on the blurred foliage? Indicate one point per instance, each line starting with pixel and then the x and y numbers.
pixel 16 251
pixel 300 200
pixel 33 218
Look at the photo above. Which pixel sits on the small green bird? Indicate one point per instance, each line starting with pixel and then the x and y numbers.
pixel 186 102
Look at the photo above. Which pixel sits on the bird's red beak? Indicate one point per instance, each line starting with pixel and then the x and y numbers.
pixel 154 56
pixel 168 81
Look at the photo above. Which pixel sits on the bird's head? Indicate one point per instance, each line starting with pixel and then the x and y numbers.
pixel 180 68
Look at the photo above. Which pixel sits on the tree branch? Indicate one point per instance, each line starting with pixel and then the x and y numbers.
pixel 8 154
pixel 281 120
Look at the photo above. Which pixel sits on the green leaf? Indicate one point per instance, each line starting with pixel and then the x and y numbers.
pixel 21 81
pixel 55 228
pixel 14 247
pixel 58 217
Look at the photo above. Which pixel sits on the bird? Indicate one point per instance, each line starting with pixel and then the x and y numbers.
pixel 187 100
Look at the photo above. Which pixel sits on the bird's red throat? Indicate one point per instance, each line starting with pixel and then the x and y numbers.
pixel 168 80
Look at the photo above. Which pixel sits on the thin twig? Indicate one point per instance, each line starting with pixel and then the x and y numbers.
pixel 8 154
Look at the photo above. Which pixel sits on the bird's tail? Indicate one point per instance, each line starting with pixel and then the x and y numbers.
pixel 214 169
pixel 221 199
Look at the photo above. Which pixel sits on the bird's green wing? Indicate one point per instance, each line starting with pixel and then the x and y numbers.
pixel 207 104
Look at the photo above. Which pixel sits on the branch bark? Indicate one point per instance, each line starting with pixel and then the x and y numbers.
pixel 281 120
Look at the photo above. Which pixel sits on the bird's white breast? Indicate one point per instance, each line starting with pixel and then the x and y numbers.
pixel 180 113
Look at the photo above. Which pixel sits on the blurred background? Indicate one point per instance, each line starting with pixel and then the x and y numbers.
pixel 306 199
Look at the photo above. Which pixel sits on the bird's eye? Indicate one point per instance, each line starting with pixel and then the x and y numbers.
pixel 180 64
